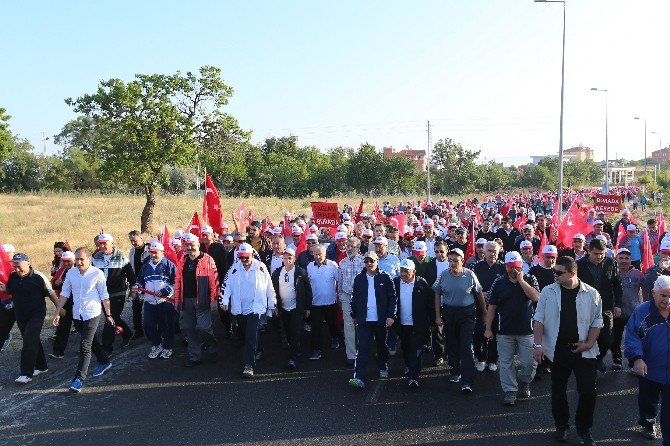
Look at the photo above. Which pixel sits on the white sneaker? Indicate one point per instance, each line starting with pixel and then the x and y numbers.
pixel 481 366
pixel 23 380
pixel 493 367
pixel 39 372
pixel 155 351
pixel 165 354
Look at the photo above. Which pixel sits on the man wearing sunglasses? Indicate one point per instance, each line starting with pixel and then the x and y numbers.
pixel 568 320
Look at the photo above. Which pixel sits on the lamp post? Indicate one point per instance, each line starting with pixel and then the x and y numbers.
pixel 560 137
pixel 607 159
pixel 645 143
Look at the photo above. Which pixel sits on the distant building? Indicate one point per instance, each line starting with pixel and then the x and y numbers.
pixel 419 156
pixel 580 153
pixel 566 157
pixel 661 156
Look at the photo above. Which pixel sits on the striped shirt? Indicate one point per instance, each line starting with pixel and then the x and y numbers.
pixel 349 269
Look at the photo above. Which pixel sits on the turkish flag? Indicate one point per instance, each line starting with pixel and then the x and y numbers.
pixel 572 224
pixel 194 225
pixel 211 206
pixel 377 209
pixel 661 225
pixel 470 250
pixel 6 268
pixel 647 254
pixel 241 217
pixel 286 229
pixel 169 251
pixel 357 218
pixel 302 244
pixel 520 222
pixel 504 209
pixel 543 241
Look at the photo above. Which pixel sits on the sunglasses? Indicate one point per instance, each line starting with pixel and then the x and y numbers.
pixel 439 252
pixel 558 273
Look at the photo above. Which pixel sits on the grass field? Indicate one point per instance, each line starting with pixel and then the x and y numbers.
pixel 34 222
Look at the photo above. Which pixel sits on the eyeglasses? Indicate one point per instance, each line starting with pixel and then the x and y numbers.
pixel 558 273
pixel 368 261
pixel 237 241
pixel 439 252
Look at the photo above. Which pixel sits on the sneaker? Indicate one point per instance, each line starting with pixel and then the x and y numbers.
pixel 509 399
pixel 392 352
pixel 56 355
pixel 616 365
pixel 480 366
pixel 427 348
pixel 586 437
pixel 138 334
pixel 315 356
pixel 335 344
pixel 438 362
pixel 383 373
pixel 454 378
pixel 466 388
pixel 355 382
pixel 524 390
pixel 602 368
pixel 649 432
pixel 166 353
pixel 406 370
pixel 101 369
pixel 6 343
pixel 308 327
pixel 413 384
pixel 23 379
pixel 39 372
pixel 155 351
pixel 259 355
pixel 493 368
pixel 561 433
pixel 76 385
pixel 291 364
pixel 248 372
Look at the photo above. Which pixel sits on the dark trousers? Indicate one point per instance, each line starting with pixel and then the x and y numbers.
pixel 617 335
pixel 605 336
pixel 249 325
pixel 7 321
pixel 115 308
pixel 137 315
pixel 32 352
pixel 63 329
pixel 459 326
pixel 227 321
pixel 411 341
pixel 437 341
pixel 485 350
pixel 159 322
pixel 564 364
pixel 367 331
pixel 90 342
pixel 319 314
pixel 293 325
pixel 647 401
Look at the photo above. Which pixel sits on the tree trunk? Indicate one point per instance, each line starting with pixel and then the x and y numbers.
pixel 148 211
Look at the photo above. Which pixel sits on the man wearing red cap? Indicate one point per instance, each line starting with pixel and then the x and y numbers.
pixel 195 290
pixel 511 299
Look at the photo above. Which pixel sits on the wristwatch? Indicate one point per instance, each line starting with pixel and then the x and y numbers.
pixel 537 345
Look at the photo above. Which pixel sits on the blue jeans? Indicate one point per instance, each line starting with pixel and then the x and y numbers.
pixel 366 331
pixel 249 325
pixel 159 320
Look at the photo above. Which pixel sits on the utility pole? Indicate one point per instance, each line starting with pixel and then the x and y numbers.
pixel 44 144
pixel 428 166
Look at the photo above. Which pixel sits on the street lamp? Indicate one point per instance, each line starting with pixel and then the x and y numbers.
pixel 607 159
pixel 560 137
pixel 645 143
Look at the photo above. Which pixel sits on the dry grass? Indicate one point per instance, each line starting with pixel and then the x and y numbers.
pixel 34 222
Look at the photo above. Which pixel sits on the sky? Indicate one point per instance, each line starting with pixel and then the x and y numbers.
pixel 485 73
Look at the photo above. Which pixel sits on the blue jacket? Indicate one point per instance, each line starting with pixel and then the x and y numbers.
pixel 162 277
pixel 384 293
pixel 648 338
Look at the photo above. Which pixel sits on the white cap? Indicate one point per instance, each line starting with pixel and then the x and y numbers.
pixel 156 246
pixel 473 214
pixel 452 225
pixel 187 238
pixel 497 216
pixel 296 230
pixel 176 241
pixel 525 244
pixel 245 250
pixel 367 232
pixel 345 216
pixel 301 223
pixel 106 238
pixel 665 245
pixel 407 230
pixel 206 230
pixel 579 236
pixel 528 227
pixel 597 222
pixel 428 222
pixel 67 255
pixel 625 212
pixel 420 246
pixel 228 238
pixel 381 241
pixel 550 250
pixel 287 214
pixel 289 251
pixel 348 223
pixel 314 228
pixel 513 257
pixel 662 283
pixel 340 236
pixel 620 250
pixel 178 234
pixel 8 247
pixel 342 228
pixel 442 221
pixel 458 251
pixel 481 241
pixel 276 231
pixel 407 264
pixel 313 237
pixel 601 237
pixel 631 228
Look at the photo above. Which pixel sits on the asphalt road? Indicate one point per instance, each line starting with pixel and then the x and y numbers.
pixel 144 402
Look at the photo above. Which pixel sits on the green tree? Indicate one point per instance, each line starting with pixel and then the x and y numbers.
pixel 493 177
pixel 140 127
pixel 21 169
pixel 400 174
pixel 364 169
pixel 455 167
pixel 6 139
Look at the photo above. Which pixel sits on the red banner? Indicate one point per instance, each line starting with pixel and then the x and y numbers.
pixel 241 217
pixel 326 214
pixel 607 203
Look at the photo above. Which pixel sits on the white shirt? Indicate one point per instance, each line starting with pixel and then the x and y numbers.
pixel 372 300
pixel 323 279
pixel 88 290
pixel 441 267
pixel 406 290
pixel 276 262
pixel 287 289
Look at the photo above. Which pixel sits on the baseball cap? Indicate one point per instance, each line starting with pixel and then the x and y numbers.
pixel 625 212
pixel 525 244
pixel 579 236
pixel 189 239
pixel 340 236
pixel 67 255
pixel 289 251
pixel 631 228
pixel 550 251
pixel 269 230
pixel 106 238
pixel 20 257
pixel 371 255
pixel 428 222
pixel 458 251
pixel 314 228
pixel 513 259
pixel 345 216
pixel 313 237
pixel 597 222
pixel 419 230
pixel 245 250
pixel 381 241
pixel 420 246
pixel 367 233
pixel 176 241
pixel 528 227
pixel 620 250
pixel 178 234
pixel 8 247
pixel 481 241
pixel 206 230
pixel 342 228
pixel 156 246
pixel 296 230
pixel 228 238
pixel 665 246
pixel 407 264
pixel 452 224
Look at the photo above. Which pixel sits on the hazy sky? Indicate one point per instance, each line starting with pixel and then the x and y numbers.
pixel 486 73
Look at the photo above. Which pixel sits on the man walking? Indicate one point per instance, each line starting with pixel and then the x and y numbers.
pixel 349 268
pixel 323 275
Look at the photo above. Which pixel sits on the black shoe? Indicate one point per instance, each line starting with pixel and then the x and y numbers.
pixel 561 433
pixel 586 437
pixel 602 368
pixel 191 363
pixel 138 334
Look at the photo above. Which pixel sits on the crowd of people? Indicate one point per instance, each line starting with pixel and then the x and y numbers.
pixel 481 285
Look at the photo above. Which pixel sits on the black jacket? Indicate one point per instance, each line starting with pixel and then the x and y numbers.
pixel 218 253
pixel 609 287
pixel 303 290
pixel 508 240
pixel 423 304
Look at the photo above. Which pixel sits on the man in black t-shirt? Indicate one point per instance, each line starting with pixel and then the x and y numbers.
pixel 510 298
pixel 544 271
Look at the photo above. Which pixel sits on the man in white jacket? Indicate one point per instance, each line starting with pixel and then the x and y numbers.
pixel 249 294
